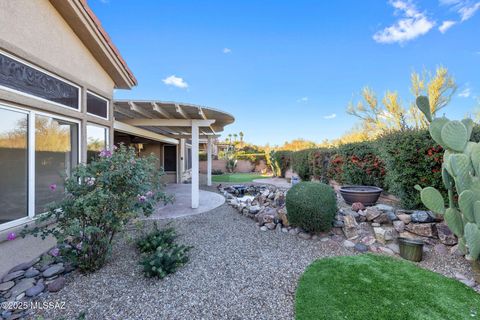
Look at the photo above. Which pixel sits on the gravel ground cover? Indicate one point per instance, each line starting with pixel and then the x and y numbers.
pixel 235 271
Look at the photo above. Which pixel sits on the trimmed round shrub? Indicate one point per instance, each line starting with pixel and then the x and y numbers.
pixel 311 206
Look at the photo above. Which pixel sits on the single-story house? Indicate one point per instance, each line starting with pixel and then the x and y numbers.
pixel 58 70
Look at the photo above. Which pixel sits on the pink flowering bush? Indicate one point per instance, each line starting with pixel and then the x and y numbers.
pixel 100 199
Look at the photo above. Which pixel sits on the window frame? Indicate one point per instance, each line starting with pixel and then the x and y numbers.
pixel 100 97
pixel 31 158
pixel 107 135
pixel 78 109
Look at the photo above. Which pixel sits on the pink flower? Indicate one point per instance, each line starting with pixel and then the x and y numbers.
pixel 55 252
pixel 53 187
pixel 11 236
pixel 149 194
pixel 90 181
pixel 105 153
pixel 142 198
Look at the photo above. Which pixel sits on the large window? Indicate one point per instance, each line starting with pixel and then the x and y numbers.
pixel 97 140
pixel 13 165
pixel 56 153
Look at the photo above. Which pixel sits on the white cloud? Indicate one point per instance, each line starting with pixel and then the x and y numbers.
pixel 175 81
pixel 411 25
pixel 303 99
pixel 467 11
pixel 447 24
pixel 330 116
pixel 465 93
pixel 227 50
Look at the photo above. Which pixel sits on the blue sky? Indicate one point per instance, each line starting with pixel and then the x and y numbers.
pixel 287 69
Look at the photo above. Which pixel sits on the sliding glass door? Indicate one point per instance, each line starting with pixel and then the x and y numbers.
pixel 13 165
pixel 37 151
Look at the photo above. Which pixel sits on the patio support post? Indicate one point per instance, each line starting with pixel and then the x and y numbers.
pixel 209 161
pixel 195 165
pixel 182 159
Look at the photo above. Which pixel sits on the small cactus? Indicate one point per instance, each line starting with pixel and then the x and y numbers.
pixel 460 173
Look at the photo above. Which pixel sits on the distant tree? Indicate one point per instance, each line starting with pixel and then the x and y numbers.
pixel 297 144
pixel 241 136
pixel 235 137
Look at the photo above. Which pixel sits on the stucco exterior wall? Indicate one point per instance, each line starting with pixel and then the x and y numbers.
pixel 243 166
pixel 35 31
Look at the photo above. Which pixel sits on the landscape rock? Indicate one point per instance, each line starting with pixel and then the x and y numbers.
pixel 35 290
pixel 22 286
pixel 440 248
pixel 254 209
pixel 348 244
pixel 386 250
pixel 13 275
pixel 356 206
pixel 394 247
pixel 399 225
pixel 422 216
pixel 372 213
pixel 6 285
pixel 53 270
pixel 282 215
pixel 56 285
pixel 445 235
pixel 263 228
pixel 405 218
pixel 383 207
pixel 304 236
pixel 32 272
pixel 380 234
pixel 350 227
pixel 422 229
pixel 368 240
pixel 360 247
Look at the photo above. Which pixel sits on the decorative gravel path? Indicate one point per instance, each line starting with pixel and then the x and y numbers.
pixel 235 271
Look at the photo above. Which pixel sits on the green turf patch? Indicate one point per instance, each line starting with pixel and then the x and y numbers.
pixel 237 177
pixel 377 287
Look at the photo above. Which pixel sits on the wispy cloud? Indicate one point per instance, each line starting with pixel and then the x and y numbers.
pixel 330 116
pixel 175 81
pixel 412 24
pixel 303 99
pixel 227 50
pixel 447 24
pixel 468 10
pixel 465 93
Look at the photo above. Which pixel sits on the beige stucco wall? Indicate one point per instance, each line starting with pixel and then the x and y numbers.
pixel 34 30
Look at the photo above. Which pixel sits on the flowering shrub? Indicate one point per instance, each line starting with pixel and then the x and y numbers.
pixel 100 199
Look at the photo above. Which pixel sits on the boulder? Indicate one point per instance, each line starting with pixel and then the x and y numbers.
pixel 445 235
pixel 422 229
pixel 304 236
pixel 399 225
pixel 373 213
pixel 282 215
pixel 270 225
pixel 360 247
pixel 350 227
pixel 405 218
pixel 56 285
pixel 368 240
pixel 13 275
pixel 383 207
pixel 422 216
pixel 22 286
pixel 6 285
pixel 382 218
pixel 254 209
pixel 356 206
pixel 348 244
pixel 35 290
pixel 53 270
pixel 383 234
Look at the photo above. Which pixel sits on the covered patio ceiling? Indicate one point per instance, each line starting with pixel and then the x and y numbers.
pixel 171 119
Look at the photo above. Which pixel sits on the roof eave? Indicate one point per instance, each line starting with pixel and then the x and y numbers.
pixel 87 27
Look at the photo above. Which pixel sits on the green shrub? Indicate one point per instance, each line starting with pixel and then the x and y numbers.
pixel 301 165
pixel 311 206
pixel 114 188
pixel 411 157
pixel 281 161
pixel 161 255
pixel 165 261
pixel 319 160
pixel 155 239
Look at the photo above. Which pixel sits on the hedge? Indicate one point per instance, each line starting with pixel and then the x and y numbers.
pixel 396 162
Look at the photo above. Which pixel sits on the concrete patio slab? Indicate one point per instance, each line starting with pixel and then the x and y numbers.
pixel 182 204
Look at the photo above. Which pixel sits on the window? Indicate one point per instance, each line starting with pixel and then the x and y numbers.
pixel 170 158
pixel 97 105
pixel 13 165
pixel 56 153
pixel 26 79
pixel 97 140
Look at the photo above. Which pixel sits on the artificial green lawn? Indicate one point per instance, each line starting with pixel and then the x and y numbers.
pixel 237 177
pixel 378 287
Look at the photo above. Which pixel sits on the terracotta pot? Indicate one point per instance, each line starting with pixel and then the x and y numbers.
pixel 368 195
pixel 476 270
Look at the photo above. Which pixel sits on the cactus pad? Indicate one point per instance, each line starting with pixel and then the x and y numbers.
pixel 454 135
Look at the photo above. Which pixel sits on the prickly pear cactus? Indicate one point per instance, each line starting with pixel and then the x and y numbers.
pixel 460 173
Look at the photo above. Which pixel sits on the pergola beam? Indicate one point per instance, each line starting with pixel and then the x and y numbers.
pixel 180 111
pixel 169 122
pixel 160 110
pixel 134 107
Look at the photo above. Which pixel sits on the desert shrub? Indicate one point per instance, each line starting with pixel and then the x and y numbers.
pixel 281 162
pixel 202 156
pixel 217 172
pixel 161 255
pixel 311 206
pixel 358 163
pixel 101 198
pixel 411 157
pixel 155 239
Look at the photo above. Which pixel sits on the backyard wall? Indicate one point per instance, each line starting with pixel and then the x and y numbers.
pixel 243 166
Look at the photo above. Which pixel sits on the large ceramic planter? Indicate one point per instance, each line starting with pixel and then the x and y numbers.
pixel 476 270
pixel 368 195
pixel 411 249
